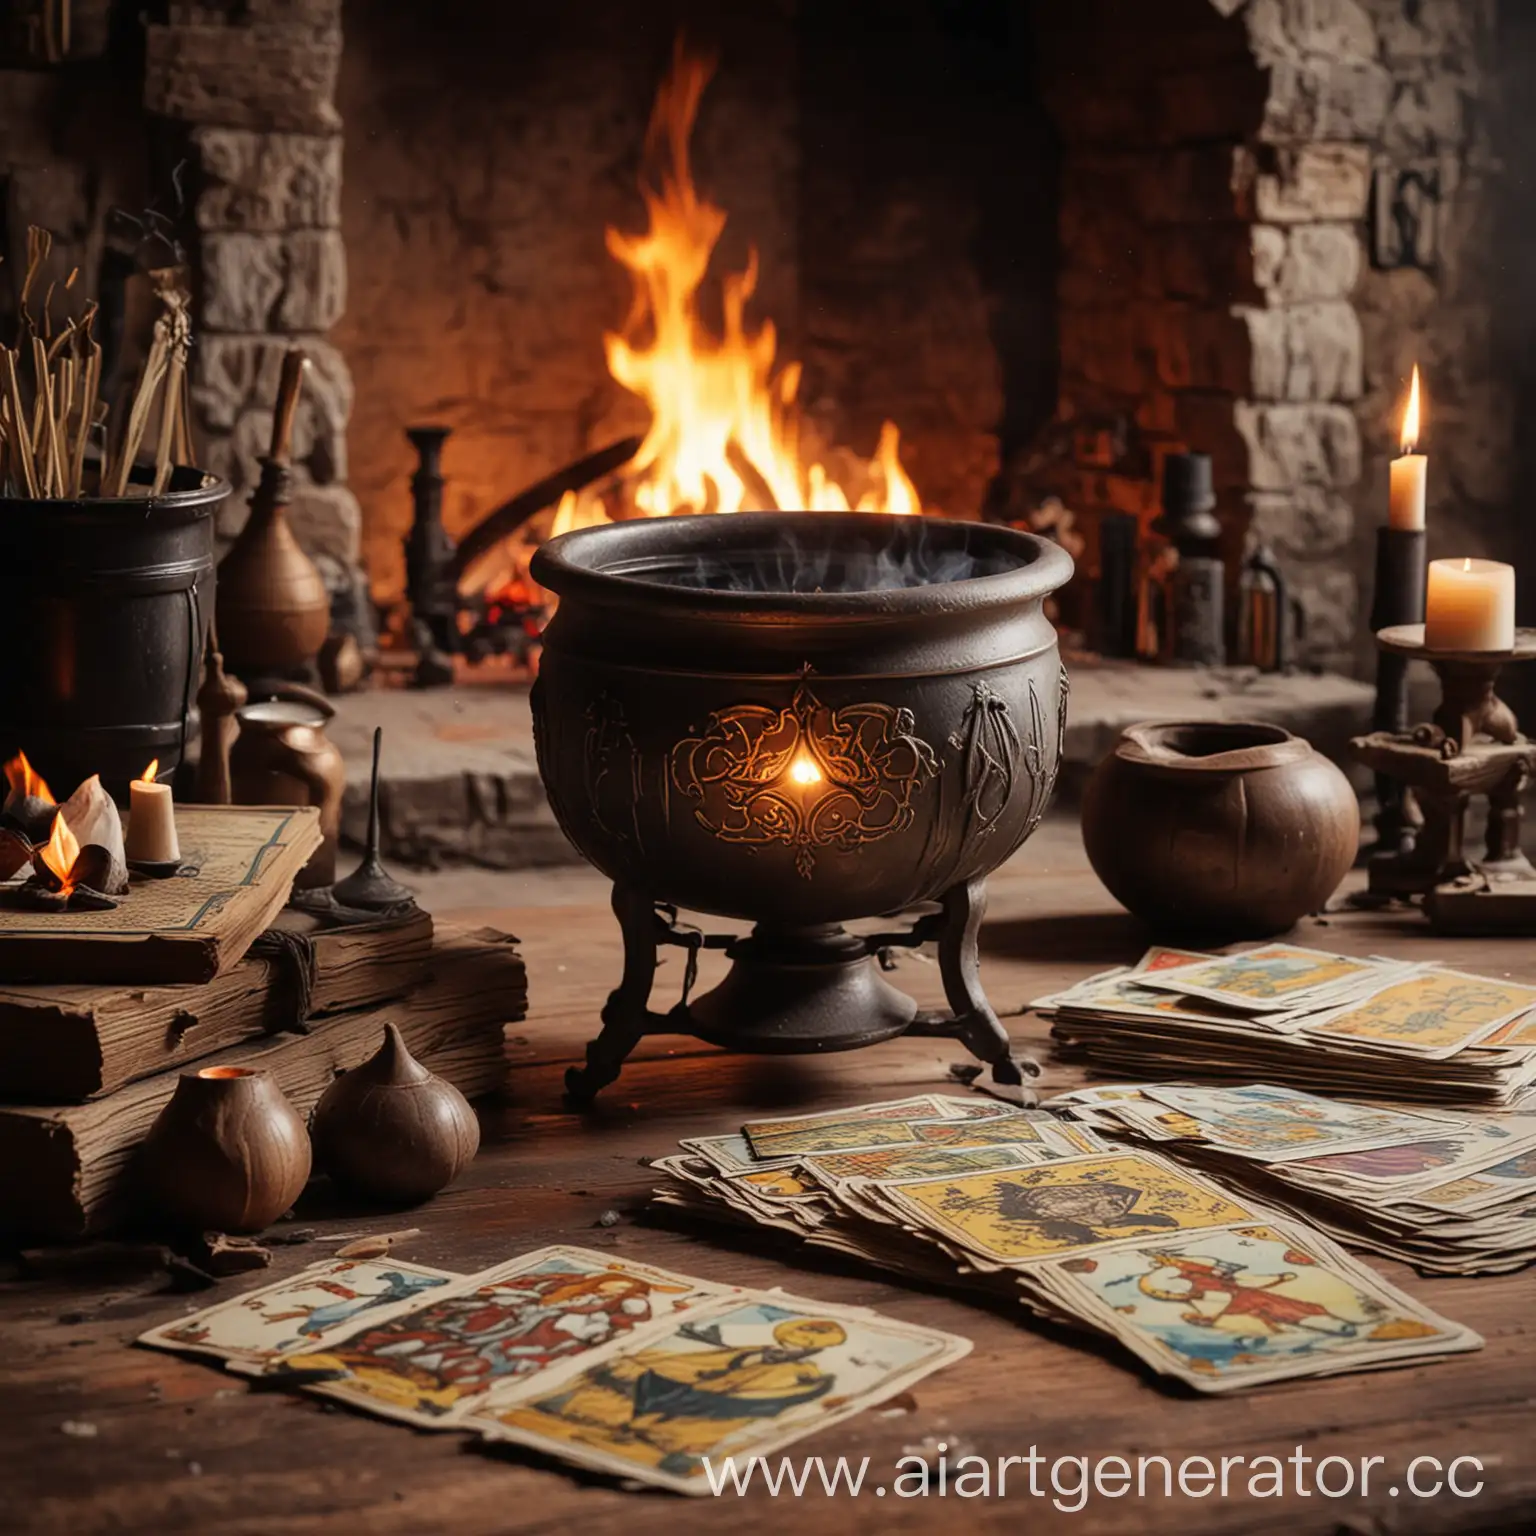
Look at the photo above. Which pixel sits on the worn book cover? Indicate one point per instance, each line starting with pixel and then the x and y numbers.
pixel 238 867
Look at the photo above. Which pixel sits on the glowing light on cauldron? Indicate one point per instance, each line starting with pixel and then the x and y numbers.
pixel 803 771
pixel 60 853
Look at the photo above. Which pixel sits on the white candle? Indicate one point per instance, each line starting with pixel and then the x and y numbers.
pixel 1469 605
pixel 1410 474
pixel 151 821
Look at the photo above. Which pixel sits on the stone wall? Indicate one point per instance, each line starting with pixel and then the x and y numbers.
pixel 243 91
pixel 1233 278
pixel 487 150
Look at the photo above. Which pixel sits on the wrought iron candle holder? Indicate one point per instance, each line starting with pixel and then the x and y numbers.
pixel 1399 600
pixel 1471 747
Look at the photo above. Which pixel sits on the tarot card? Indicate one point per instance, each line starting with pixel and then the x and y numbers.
pixel 1469 1146
pixel 429 1366
pixel 1015 1216
pixel 1518 1033
pixel 1277 1124
pixel 319 1303
pixel 898 1164
pixel 1230 1309
pixel 1162 958
pixel 1268 979
pixel 740 1377
pixel 1434 1014
pixel 864 1125
pixel 731 1154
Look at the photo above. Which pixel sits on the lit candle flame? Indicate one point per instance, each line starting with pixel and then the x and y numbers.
pixel 1410 438
pixel 1466 564
pixel 148 776
pixel 804 771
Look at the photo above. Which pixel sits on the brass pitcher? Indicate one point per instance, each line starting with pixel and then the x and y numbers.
pixel 282 756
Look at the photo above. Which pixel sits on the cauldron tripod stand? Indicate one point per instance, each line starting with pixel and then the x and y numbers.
pixel 799 721
pixel 798 991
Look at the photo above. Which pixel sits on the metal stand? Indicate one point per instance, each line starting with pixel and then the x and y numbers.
pixel 429 585
pixel 798 991
pixel 1473 746
pixel 1399 599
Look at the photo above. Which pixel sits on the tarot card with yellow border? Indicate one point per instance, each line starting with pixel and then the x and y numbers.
pixel 738 1378
pixel 1271 978
pixel 1434 1014
pixel 1015 1216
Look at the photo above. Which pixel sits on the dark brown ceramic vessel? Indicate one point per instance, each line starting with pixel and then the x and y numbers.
pixel 393 1131
pixel 228 1153
pixel 1219 830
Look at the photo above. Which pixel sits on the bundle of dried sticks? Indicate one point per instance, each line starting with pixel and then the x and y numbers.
pixel 50 406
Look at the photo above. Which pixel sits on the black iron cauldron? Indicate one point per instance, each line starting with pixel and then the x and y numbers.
pixel 106 610
pixel 798 719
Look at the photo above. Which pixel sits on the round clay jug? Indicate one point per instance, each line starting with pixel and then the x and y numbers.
pixel 1219 830
pixel 391 1130
pixel 228 1153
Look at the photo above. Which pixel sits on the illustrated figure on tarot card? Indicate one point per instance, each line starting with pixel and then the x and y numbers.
pixel 1252 1307
pixel 430 1359
pixel 311 1322
pixel 670 1407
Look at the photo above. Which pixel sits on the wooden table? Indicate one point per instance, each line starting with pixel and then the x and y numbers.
pixel 160 1444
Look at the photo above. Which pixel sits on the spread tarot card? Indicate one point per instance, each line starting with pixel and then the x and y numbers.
pixel 320 1303
pixel 737 1377
pixel 432 1364
pixel 1272 978
pixel 1230 1309
pixel 1276 1124
pixel 1016 1215
pixel 868 1125
pixel 1434 1014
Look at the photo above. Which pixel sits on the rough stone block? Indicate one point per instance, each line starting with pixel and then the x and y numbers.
pixel 266 76
pixel 1310 523
pixel 1330 605
pixel 234 385
pixel 257 282
pixel 1305 351
pixel 1426 117
pixel 267 181
pixel 1314 99
pixel 327 520
pixel 1338 29
pixel 1293 445
pixel 1305 262
pixel 1314 183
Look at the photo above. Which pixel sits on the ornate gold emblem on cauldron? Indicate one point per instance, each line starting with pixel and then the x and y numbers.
pixel 807 775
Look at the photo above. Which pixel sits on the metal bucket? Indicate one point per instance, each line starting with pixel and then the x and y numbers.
pixel 105 612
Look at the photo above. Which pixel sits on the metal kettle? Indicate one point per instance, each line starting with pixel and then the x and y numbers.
pixel 282 756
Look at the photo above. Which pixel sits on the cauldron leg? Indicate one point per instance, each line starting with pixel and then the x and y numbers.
pixel 975 1025
pixel 625 1014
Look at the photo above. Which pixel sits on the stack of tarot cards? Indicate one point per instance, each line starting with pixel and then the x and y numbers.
pixel 1450 1193
pixel 599 1361
pixel 1285 1014
pixel 1212 1287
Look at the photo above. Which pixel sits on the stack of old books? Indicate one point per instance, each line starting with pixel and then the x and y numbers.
pixel 101 1011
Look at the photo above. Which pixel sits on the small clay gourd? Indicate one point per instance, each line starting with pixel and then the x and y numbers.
pixel 227 1153
pixel 391 1130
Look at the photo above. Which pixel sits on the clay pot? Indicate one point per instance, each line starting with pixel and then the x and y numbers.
pixel 1219 830
pixel 282 756
pixel 227 1153
pixel 392 1131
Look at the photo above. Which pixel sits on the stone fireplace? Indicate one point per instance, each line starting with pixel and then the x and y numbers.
pixel 1051 243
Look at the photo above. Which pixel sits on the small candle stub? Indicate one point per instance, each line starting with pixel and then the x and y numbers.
pixel 1410 473
pixel 1469 605
pixel 151 821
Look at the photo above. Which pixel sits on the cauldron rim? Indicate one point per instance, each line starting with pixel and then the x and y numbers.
pixel 567 566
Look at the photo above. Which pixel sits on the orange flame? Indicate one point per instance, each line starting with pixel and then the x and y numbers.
pixel 724 433
pixel 148 776
pixel 62 849
pixel 25 781
pixel 1411 416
